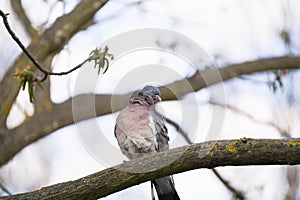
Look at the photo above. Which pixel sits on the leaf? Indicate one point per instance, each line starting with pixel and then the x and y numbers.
pixel 28 77
pixel 107 65
pixel 23 84
pixel 100 58
pixel 285 36
pixel 31 92
pixel 277 82
pixel 28 74
pixel 40 84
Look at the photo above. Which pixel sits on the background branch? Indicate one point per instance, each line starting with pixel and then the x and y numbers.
pixel 20 12
pixel 237 193
pixel 2 187
pixel 281 131
pixel 94 56
pixel 60 115
pixel 203 155
pixel 20 44
pixel 50 42
pixel 182 132
pixel 50 36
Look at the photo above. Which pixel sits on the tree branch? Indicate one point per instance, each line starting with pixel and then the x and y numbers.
pixel 203 155
pixel 281 131
pixel 182 132
pixel 237 194
pixel 20 12
pixel 50 42
pixel 2 187
pixel 293 182
pixel 60 115
pixel 20 44
pixel 94 56
pixel 210 76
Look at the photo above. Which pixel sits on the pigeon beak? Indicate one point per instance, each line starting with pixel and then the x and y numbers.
pixel 158 98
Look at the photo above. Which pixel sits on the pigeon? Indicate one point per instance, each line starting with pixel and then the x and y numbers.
pixel 140 130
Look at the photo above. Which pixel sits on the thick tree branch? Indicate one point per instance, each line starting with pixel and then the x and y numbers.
pixel 51 41
pixel 212 76
pixel 203 155
pixel 60 115
pixel 238 194
pixel 43 95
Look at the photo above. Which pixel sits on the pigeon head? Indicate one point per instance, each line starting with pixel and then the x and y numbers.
pixel 151 91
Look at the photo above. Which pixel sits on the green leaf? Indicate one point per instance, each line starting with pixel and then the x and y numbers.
pixel 100 58
pixel 277 82
pixel 23 84
pixel 107 65
pixel 40 84
pixel 285 36
pixel 31 92
pixel 28 74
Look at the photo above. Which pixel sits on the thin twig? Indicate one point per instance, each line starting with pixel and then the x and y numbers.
pixel 17 40
pixel 253 80
pixel 5 189
pixel 38 65
pixel 238 194
pixel 179 129
pixel 282 132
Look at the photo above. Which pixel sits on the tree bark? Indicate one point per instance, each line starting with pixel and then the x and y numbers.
pixel 19 10
pixel 49 117
pixel 211 154
pixel 50 42
pixel 60 115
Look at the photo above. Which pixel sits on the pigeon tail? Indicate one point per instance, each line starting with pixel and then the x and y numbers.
pixel 165 188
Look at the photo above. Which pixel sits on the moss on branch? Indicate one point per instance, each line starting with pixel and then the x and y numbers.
pixel 203 155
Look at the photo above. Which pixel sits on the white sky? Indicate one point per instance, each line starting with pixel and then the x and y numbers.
pixel 233 31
